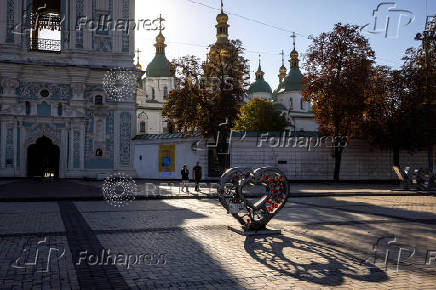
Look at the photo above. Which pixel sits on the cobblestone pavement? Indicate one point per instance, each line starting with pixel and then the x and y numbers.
pixel 326 242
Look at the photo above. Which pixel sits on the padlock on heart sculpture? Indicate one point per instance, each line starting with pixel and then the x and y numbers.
pixel 253 197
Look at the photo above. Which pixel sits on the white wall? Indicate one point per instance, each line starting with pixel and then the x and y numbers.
pixel 359 161
pixel 304 124
pixel 148 167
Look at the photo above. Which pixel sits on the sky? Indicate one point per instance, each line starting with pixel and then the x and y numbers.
pixel 190 27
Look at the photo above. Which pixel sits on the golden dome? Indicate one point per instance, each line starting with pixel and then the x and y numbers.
pixel 138 66
pixel 222 18
pixel 283 69
pixel 160 38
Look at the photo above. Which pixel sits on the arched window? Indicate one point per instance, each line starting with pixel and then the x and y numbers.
pixel 291 104
pixel 302 104
pixel 60 110
pixel 153 94
pixel 98 100
pixel 27 108
pixel 142 127
pixel 165 92
pixel 46 25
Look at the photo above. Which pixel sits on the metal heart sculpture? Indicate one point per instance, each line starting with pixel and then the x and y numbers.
pixel 253 197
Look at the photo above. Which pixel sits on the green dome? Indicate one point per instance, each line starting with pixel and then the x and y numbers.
pixel 292 82
pixel 260 86
pixel 159 67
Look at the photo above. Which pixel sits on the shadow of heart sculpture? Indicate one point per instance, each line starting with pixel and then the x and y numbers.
pixel 253 197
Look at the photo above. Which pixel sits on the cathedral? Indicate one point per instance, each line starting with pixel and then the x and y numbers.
pixel 159 81
pixel 153 90
pixel 56 117
pixel 287 98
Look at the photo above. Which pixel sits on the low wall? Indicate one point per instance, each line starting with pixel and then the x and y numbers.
pixel 146 158
pixel 360 161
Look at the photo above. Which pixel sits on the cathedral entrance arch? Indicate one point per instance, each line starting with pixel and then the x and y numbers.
pixel 43 158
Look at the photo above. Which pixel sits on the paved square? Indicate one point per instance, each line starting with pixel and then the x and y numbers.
pixel 327 242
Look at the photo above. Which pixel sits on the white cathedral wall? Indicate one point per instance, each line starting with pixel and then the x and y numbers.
pixel 158 84
pixel 155 123
pixel 297 107
pixel 285 98
pixel 306 124
pixel 79 83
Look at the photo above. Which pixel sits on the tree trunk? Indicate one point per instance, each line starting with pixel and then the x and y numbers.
pixel 338 159
pixel 396 156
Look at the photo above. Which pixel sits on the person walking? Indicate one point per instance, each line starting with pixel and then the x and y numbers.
pixel 185 177
pixel 196 174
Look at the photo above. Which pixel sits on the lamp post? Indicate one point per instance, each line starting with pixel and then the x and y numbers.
pixel 427 37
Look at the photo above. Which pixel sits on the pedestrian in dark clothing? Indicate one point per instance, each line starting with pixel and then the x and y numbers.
pixel 196 172
pixel 185 177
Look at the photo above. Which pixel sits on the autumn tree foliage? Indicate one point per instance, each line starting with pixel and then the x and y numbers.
pixel 260 115
pixel 338 67
pixel 419 70
pixel 187 100
pixel 400 112
pixel 391 114
pixel 208 95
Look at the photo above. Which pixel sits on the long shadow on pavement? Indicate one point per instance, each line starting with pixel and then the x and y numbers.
pixel 295 258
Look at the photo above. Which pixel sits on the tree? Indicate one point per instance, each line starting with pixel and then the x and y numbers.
pixel 390 112
pixel 420 75
pixel 259 115
pixel 226 75
pixel 337 72
pixel 208 96
pixel 186 101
